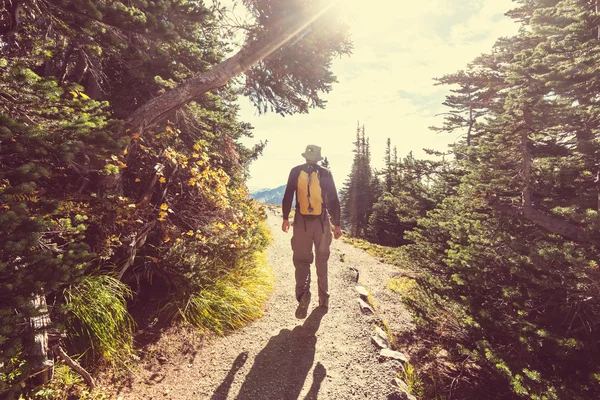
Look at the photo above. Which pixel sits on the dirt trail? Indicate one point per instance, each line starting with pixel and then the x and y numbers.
pixel 327 356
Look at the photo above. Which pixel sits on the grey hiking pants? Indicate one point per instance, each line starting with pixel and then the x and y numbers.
pixel 309 232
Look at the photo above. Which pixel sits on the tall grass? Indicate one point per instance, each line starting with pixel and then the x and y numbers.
pixel 99 321
pixel 231 300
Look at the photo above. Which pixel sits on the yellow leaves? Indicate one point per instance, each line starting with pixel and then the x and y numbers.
pixel 137 180
pixel 190 233
pixel 197 147
pixel 119 162
pixel 77 93
pixel 200 237
pixel 162 179
pixel 162 214
pixel 135 136
pixel 217 226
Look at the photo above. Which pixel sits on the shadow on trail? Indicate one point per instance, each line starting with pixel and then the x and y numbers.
pixel 282 366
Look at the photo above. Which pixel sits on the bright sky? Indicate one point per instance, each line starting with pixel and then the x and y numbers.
pixel 386 84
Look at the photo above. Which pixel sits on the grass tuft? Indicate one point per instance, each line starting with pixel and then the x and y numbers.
pixel 99 318
pixel 411 377
pixel 231 300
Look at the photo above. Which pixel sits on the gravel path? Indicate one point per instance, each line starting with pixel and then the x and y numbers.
pixel 327 356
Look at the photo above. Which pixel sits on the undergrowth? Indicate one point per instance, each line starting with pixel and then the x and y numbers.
pixel 231 300
pixel 67 384
pixel 99 319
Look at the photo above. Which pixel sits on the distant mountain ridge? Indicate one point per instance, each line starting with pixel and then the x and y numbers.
pixel 269 196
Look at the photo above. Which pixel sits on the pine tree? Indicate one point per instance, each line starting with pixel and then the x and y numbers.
pixel 357 193
pixel 92 185
pixel 510 256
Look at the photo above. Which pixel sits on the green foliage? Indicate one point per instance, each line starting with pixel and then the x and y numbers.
pixel 502 240
pixel 226 301
pixel 412 379
pixel 502 279
pixel 67 384
pixel 79 192
pixel 98 318
pixel 357 196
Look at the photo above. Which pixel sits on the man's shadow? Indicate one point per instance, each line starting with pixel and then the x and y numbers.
pixel 281 368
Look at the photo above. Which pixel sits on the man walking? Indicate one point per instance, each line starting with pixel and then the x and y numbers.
pixel 316 201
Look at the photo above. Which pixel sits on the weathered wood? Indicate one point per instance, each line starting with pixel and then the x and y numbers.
pixel 74 366
pixel 138 239
pixel 41 365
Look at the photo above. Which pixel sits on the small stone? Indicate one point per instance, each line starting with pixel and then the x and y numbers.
pixel 400 384
pixel 365 308
pixel 362 291
pixel 379 342
pixel 394 355
pixel 381 333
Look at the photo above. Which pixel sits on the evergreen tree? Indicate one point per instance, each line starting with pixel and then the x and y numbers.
pixel 112 166
pixel 357 193
pixel 510 259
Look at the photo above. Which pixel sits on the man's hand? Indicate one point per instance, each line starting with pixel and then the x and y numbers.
pixel 285 226
pixel 337 232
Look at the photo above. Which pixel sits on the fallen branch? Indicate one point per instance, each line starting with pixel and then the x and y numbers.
pixel 74 366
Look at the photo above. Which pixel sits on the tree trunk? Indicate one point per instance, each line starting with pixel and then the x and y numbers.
pixel 548 222
pixel 41 365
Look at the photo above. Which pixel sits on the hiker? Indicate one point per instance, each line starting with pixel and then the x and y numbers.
pixel 316 201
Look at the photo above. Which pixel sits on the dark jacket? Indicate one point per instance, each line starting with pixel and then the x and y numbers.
pixel 330 197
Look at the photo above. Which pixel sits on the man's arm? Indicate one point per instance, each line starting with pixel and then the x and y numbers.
pixel 286 204
pixel 333 202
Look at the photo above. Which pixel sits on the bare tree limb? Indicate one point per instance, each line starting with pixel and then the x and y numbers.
pixel 74 366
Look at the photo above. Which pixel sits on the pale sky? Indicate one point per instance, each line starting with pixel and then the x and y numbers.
pixel 386 84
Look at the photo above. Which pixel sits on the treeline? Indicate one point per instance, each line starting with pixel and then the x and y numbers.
pixel 502 243
pixel 381 205
pixel 122 176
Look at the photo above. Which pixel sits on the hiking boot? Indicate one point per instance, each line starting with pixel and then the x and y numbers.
pixel 303 306
pixel 324 303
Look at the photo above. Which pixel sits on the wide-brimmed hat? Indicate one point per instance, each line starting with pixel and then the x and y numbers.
pixel 312 153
